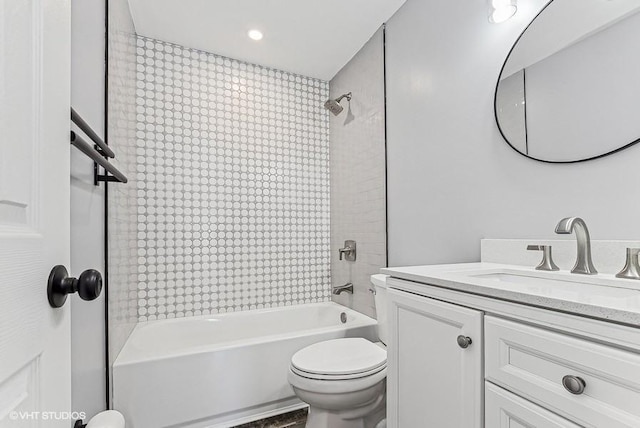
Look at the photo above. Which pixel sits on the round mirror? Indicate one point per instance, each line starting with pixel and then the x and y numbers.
pixel 569 90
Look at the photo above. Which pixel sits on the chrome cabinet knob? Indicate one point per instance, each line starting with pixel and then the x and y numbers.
pixel 464 341
pixel 574 384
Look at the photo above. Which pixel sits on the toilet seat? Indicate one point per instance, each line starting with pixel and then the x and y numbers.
pixel 335 386
pixel 339 359
pixel 318 376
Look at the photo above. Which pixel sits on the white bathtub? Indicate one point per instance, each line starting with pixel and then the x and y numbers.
pixel 221 370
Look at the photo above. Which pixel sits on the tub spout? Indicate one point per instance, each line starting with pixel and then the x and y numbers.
pixel 347 288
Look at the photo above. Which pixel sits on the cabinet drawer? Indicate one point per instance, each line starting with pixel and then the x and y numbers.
pixel 506 410
pixel 532 363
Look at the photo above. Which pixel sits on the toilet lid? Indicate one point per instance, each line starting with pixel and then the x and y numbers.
pixel 350 356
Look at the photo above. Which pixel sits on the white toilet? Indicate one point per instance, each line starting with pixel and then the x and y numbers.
pixel 107 419
pixel 344 380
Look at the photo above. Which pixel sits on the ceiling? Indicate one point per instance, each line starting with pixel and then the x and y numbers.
pixel 310 37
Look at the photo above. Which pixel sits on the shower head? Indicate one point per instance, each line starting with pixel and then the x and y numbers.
pixel 334 105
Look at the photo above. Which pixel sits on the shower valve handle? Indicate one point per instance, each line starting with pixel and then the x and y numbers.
pixel 346 250
pixel 349 251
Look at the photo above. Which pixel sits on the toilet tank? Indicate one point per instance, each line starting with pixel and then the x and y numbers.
pixel 379 282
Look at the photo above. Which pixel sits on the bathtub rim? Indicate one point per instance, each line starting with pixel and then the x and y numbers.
pixel 361 320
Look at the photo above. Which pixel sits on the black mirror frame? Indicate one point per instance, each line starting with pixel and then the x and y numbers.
pixel 495 107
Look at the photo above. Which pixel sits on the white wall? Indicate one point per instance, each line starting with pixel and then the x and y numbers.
pixel 87 208
pixel 357 156
pixel 452 180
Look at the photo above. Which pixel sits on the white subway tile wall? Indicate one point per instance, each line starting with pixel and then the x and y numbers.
pixel 122 212
pixel 358 192
pixel 232 185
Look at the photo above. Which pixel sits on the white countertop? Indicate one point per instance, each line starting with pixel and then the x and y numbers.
pixel 599 296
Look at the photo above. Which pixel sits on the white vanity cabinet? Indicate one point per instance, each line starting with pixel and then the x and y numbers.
pixel 432 381
pixel 506 410
pixel 525 367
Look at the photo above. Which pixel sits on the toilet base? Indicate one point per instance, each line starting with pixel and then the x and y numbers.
pixel 374 416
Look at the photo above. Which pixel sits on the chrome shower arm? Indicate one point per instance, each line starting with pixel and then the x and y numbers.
pixel 347 96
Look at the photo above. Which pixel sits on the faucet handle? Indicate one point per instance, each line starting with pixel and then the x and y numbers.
pixel 547 261
pixel 631 269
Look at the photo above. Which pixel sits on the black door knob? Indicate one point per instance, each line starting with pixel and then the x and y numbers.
pixel 60 284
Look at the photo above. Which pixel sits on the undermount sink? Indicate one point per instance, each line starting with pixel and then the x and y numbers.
pixel 558 284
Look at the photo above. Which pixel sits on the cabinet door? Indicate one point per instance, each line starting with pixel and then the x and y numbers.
pixel 506 410
pixel 432 381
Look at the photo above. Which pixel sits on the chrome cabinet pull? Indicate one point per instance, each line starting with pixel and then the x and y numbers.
pixel 574 384
pixel 464 341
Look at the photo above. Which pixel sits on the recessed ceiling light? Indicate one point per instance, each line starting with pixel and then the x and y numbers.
pixel 255 34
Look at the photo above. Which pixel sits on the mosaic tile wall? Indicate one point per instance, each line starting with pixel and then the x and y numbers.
pixel 232 184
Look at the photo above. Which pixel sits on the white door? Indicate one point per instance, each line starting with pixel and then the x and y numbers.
pixel 433 382
pixel 35 379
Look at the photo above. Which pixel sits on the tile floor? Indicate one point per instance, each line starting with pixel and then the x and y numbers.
pixel 295 419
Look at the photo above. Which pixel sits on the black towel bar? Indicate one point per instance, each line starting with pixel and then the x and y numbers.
pixel 86 148
pixel 98 153
pixel 84 126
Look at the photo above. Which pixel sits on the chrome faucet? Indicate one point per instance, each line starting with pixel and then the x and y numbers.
pixel 347 288
pixel 583 265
